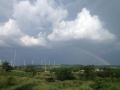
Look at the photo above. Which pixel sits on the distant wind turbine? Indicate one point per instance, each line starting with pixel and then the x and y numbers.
pixel 14 58
pixel 0 62
pixel 32 62
pixel 11 62
pixel 45 64
pixel 41 62
pixel 18 62
pixel 49 63
pixel 54 62
pixel 24 62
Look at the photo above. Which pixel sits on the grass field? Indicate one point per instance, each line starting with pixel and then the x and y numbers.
pixel 21 80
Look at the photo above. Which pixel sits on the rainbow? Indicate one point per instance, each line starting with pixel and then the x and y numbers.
pixel 95 56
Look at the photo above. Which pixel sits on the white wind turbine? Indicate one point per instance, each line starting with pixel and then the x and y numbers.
pixel 11 62
pixel 32 62
pixel 24 63
pixel 0 62
pixel 41 62
pixel 54 63
pixel 14 58
pixel 45 64
pixel 49 63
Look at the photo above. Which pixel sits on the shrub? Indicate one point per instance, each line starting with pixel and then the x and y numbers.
pixel 6 66
pixel 64 74
pixel 3 81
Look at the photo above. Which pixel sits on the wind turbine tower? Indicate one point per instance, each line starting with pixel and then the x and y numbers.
pixel 32 62
pixel 49 63
pixel 24 62
pixel 54 63
pixel 0 62
pixel 11 62
pixel 14 58
pixel 45 64
pixel 41 62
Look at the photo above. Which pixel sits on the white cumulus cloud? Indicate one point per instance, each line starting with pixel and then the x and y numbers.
pixel 10 34
pixel 85 26
pixel 24 27
pixel 42 21
pixel 39 14
pixel 31 41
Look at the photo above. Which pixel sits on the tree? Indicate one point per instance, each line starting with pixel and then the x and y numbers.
pixel 64 74
pixel 32 69
pixel 89 72
pixel 6 66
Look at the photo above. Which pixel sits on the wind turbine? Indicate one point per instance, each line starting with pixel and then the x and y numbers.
pixel 54 63
pixel 0 62
pixel 32 62
pixel 49 63
pixel 14 58
pixel 11 62
pixel 24 62
pixel 41 62
pixel 45 64
pixel 18 64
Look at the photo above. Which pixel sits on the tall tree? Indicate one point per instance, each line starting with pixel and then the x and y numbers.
pixel 64 74
pixel 6 66
pixel 89 72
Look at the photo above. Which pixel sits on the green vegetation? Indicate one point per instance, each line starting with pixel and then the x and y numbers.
pixel 61 77
pixel 64 74
pixel 6 66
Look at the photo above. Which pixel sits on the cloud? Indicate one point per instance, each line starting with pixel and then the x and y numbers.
pixel 10 28
pixel 39 14
pixel 41 22
pixel 84 26
pixel 29 21
pixel 31 41
pixel 9 32
pixel 5 10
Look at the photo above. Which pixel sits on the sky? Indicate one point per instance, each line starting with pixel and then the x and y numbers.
pixel 60 31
